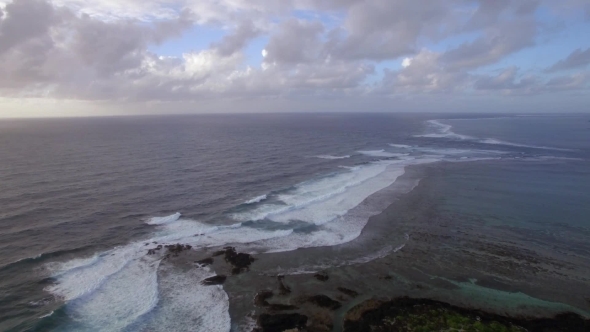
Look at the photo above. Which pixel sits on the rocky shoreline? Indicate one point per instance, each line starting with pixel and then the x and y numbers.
pixel 316 314
pixel 503 283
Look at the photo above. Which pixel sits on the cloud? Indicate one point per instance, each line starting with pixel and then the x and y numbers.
pixel 107 51
pixel 493 45
pixel 235 41
pixel 296 41
pixel 576 59
pixel 424 73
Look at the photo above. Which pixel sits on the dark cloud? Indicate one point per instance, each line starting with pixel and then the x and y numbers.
pixel 296 41
pixel 23 21
pixel 576 59
pixel 236 40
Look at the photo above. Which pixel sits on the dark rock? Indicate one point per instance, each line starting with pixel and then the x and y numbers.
pixel 424 314
pixel 177 248
pixel 205 262
pixel 215 280
pixel 151 252
pixel 321 276
pixel 261 298
pixel 320 321
pixel 281 322
pixel 348 292
pixel 147 244
pixel 240 261
pixel 324 302
pixel 283 289
pixel 281 307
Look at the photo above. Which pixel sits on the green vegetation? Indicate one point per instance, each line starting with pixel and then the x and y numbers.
pixel 428 319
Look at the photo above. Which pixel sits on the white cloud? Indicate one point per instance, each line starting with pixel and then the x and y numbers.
pixel 406 62
pixel 104 49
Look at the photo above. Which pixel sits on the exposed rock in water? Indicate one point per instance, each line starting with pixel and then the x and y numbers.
pixel 240 261
pixel 407 314
pixel 280 307
pixel 348 292
pixel 177 248
pixel 205 262
pixel 321 276
pixel 261 298
pixel 281 322
pixel 283 289
pixel 215 280
pixel 324 302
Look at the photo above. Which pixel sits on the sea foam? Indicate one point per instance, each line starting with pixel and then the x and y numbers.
pixel 164 220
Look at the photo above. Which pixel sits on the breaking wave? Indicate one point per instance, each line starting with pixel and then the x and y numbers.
pixel 330 157
pixel 257 199
pixel 124 288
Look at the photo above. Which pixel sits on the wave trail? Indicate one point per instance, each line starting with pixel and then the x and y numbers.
pixel 256 199
pixel 164 220
pixel 330 157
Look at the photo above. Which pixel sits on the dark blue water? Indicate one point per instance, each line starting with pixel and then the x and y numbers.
pixel 81 196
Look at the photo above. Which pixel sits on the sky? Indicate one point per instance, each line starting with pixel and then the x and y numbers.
pixel 133 57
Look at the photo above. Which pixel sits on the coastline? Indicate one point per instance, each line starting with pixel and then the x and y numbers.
pixel 423 270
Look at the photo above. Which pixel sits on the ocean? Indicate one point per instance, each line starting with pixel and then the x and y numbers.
pixel 485 210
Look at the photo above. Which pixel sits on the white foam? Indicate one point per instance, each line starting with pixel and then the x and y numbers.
pixel 164 220
pixel 187 305
pixel 80 281
pixel 256 199
pixel 443 131
pixel 321 200
pixel 500 142
pixel 401 146
pixel 119 302
pixel 381 153
pixel 58 268
pixel 330 157
pixel 454 151
pixel 47 315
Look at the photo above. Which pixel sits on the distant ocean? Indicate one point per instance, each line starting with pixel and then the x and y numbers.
pixel 81 197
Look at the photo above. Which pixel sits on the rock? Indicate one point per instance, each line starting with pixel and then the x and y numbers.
pixel 407 314
pixel 320 321
pixel 215 280
pixel 348 292
pixel 324 302
pixel 321 276
pixel 177 248
pixel 281 322
pixel 281 307
pixel 240 261
pixel 151 252
pixel 283 289
pixel 261 298
pixel 205 262
pixel 357 312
